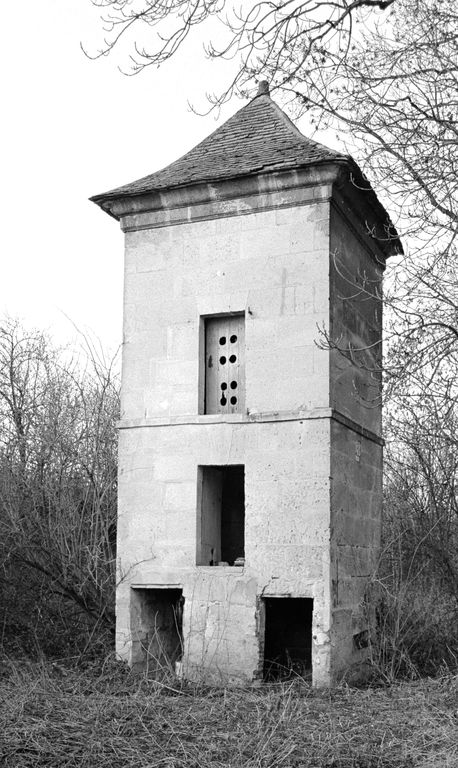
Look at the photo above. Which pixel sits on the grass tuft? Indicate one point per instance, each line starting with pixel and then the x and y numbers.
pixel 55 714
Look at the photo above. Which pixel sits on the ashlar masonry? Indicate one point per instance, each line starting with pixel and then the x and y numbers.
pixel 250 450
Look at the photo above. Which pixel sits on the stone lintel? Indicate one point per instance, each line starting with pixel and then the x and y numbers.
pixel 186 578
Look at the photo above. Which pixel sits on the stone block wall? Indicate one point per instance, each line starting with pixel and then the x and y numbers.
pixel 312 480
pixel 272 269
pixel 355 323
pixel 287 532
pixel 356 507
pixel 356 445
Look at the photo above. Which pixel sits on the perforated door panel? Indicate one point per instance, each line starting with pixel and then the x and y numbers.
pixel 225 364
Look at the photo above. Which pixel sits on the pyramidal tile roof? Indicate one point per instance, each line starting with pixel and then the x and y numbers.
pixel 259 138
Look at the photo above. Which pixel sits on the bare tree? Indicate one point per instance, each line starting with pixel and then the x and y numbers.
pixel 382 74
pixel 256 33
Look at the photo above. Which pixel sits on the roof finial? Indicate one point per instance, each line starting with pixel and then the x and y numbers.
pixel 263 88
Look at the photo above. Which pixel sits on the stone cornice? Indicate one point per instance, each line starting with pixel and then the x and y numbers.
pixel 242 196
pixel 233 197
pixel 253 418
pixel 223 190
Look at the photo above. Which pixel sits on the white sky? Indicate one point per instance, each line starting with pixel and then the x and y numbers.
pixel 72 128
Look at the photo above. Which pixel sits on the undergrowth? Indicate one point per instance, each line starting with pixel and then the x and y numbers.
pixel 102 715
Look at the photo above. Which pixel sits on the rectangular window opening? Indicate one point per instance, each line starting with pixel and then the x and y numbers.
pixel 221 515
pixel 288 637
pixel 157 628
pixel 224 364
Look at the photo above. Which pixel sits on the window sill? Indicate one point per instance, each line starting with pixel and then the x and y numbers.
pixel 253 417
pixel 221 569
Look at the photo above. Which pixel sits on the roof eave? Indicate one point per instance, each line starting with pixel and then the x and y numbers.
pixel 115 202
pixel 357 190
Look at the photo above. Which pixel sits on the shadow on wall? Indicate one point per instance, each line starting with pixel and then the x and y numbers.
pixel 157 629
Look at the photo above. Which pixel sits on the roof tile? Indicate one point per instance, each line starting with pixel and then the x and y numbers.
pixel 258 138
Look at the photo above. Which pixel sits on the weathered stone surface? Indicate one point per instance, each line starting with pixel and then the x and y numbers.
pixel 291 251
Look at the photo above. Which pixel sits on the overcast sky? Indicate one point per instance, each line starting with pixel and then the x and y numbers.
pixel 72 128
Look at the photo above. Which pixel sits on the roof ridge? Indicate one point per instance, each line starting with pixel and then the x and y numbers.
pixel 287 120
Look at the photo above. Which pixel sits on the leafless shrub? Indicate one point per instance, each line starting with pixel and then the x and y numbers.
pixel 415 589
pixel 57 490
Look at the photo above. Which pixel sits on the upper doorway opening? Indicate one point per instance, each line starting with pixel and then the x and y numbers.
pixel 221 515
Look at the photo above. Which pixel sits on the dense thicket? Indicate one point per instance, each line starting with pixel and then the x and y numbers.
pixel 416 587
pixel 57 493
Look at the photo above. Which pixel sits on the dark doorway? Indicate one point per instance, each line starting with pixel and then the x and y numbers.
pixel 221 514
pixel 288 637
pixel 157 628
pixel 233 514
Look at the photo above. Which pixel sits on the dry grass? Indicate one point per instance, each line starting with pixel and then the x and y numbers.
pixel 108 718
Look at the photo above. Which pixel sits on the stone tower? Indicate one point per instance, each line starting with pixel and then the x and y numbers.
pixel 250 442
